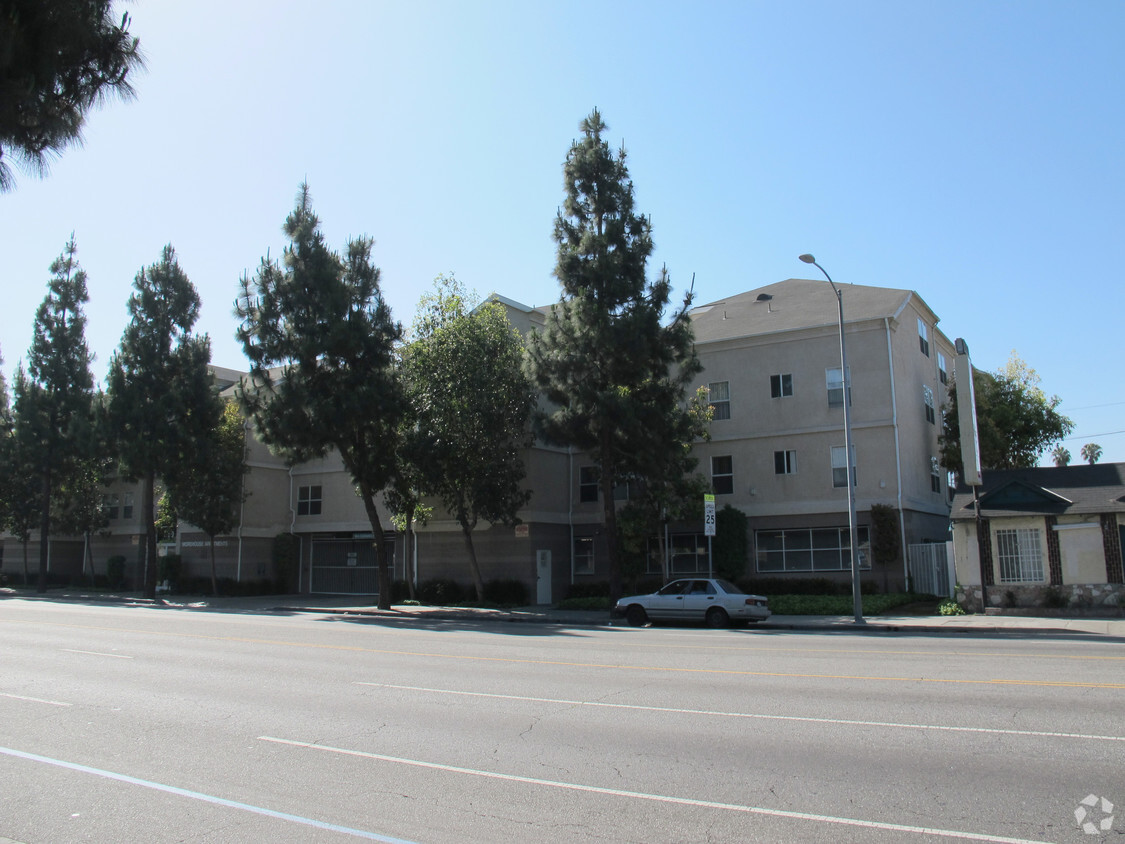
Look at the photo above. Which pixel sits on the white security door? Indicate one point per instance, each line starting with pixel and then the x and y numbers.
pixel 542 577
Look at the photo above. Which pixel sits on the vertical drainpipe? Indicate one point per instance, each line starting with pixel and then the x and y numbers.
pixel 898 454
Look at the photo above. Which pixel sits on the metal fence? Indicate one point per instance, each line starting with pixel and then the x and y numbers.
pixel 931 568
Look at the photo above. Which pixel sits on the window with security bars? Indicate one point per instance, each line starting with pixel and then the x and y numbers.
pixel 1020 554
pixel 718 394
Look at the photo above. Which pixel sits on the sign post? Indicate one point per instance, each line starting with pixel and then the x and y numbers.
pixel 709 529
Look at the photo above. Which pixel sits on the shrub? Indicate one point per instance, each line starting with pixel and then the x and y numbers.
pixel 594 589
pixel 1055 599
pixel 950 607
pixel 592 602
pixel 440 591
pixel 287 560
pixel 168 568
pixel 506 592
pixel 731 545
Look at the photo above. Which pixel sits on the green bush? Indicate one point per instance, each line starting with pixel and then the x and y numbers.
pixel 592 602
pixel 168 568
pixel 950 607
pixel 837 604
pixel 287 560
pixel 506 592
pixel 595 589
pixel 440 592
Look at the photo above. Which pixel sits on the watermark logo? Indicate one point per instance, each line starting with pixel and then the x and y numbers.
pixel 1094 815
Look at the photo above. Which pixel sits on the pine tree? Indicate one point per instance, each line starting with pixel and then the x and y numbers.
pixel 614 372
pixel 321 344
pixel 53 399
pixel 162 399
pixel 57 60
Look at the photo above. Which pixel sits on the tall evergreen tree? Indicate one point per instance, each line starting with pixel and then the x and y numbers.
pixel 615 373
pixel 465 378
pixel 53 400
pixel 162 399
pixel 321 343
pixel 7 452
pixel 57 60
pixel 209 489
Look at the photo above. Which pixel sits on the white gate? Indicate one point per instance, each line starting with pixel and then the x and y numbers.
pixel 931 568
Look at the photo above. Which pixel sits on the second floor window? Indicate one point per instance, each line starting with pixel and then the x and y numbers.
pixel 928 401
pixel 127 506
pixel 784 462
pixel 942 369
pixel 923 337
pixel 781 386
pixel 308 501
pixel 588 484
pixel 840 467
pixel 722 474
pixel 111 503
pixel 935 474
pixel 835 383
pixel 718 394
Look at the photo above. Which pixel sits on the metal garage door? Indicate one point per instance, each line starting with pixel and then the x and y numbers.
pixel 343 567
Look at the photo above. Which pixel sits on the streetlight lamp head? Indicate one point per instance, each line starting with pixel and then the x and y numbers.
pixel 808 259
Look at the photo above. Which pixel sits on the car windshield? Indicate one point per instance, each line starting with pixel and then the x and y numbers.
pixel 729 587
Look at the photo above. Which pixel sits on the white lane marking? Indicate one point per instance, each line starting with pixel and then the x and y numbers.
pixel 835 721
pixel 35 699
pixel 662 798
pixel 95 653
pixel 206 798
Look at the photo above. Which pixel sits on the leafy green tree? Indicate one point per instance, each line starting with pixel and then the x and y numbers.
pixel 1061 455
pixel 613 371
pixel 210 488
pixel 7 452
pixel 1016 420
pixel 162 399
pixel 321 344
pixel 54 398
pixel 1091 453
pixel 465 380
pixel 58 58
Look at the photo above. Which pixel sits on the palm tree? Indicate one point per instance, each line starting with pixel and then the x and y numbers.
pixel 1091 452
pixel 1061 455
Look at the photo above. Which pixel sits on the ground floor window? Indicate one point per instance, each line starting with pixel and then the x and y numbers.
pixel 584 555
pixel 810 549
pixel 1020 554
pixel 688 553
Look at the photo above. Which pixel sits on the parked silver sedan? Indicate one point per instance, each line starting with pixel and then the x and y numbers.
pixel 713 601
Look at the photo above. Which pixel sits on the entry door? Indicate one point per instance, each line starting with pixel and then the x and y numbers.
pixel 542 577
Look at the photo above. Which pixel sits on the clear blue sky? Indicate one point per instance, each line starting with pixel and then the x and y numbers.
pixel 971 151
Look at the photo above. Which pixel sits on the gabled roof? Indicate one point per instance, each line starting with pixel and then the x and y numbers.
pixel 794 304
pixel 1045 490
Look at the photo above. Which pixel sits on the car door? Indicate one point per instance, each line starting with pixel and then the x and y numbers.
pixel 698 598
pixel 669 601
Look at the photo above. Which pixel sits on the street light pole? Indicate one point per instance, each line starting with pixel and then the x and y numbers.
pixel 857 596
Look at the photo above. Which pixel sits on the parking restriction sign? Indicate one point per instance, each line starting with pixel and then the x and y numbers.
pixel 708 515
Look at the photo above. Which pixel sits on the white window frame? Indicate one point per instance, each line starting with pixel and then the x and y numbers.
pixel 727 476
pixel 924 337
pixel 1019 555
pixel 718 395
pixel 781 385
pixel 928 402
pixel 834 383
pixel 840 481
pixel 785 462
pixel 942 369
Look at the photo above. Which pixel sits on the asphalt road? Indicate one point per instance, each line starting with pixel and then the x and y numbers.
pixel 122 724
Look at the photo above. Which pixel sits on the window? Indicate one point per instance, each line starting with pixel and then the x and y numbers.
pixel 835 384
pixel 127 506
pixel 935 474
pixel 942 369
pixel 785 462
pixel 923 337
pixel 718 394
pixel 722 475
pixel 928 402
pixel 810 549
pixel 308 501
pixel 584 555
pixel 588 477
pixel 840 467
pixel 781 386
pixel 110 503
pixel 688 552
pixel 1020 555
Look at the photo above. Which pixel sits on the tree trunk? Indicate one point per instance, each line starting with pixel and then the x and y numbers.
pixel 148 519
pixel 381 562
pixel 409 552
pixel 214 579
pixel 44 530
pixel 610 517
pixel 26 572
pixel 474 567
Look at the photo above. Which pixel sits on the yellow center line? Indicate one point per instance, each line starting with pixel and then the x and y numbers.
pixel 570 664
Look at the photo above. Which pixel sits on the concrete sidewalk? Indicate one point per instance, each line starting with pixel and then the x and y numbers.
pixel 1015 625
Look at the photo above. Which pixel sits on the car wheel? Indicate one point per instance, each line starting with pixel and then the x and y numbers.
pixel 717 617
pixel 636 616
